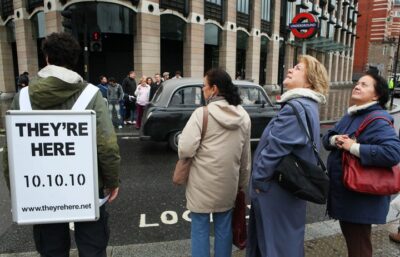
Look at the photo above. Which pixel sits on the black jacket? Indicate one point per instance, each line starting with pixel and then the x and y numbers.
pixel 129 86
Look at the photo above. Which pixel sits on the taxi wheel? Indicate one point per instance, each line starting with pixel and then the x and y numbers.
pixel 173 140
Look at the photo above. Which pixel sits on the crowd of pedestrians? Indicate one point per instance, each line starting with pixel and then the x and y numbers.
pixel 127 102
pixel 221 163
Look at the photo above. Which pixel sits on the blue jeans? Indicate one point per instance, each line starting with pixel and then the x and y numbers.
pixel 201 232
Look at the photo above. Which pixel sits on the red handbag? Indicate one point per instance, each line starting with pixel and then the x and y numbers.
pixel 239 221
pixel 369 179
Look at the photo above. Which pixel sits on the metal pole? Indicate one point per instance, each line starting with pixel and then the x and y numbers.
pixel 395 72
pixel 85 54
pixel 304 47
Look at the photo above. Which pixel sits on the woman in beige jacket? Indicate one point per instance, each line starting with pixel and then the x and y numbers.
pixel 220 164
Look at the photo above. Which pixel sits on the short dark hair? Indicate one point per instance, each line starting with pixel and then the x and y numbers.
pixel 61 49
pixel 101 77
pixel 226 88
pixel 381 87
pixel 111 79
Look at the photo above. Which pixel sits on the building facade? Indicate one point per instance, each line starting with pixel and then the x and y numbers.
pixel 377 31
pixel 249 38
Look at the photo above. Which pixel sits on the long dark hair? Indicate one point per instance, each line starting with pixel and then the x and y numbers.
pixel 381 88
pixel 226 88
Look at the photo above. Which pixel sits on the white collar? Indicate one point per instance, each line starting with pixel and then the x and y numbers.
pixel 302 92
pixel 61 73
pixel 355 108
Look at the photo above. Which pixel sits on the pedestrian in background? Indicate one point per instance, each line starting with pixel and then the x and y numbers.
pixel 142 94
pixel 114 95
pixel 129 88
pixel 23 80
pixel 220 163
pixel 103 86
pixel 57 87
pixel 377 145
pixel 165 76
pixel 155 85
pixel 277 217
pixel 177 75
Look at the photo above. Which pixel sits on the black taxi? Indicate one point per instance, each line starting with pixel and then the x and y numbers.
pixel 166 115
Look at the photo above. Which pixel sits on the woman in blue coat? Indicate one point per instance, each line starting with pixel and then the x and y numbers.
pixel 277 217
pixel 377 145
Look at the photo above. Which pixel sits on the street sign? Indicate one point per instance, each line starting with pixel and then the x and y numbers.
pixel 53 166
pixel 304 25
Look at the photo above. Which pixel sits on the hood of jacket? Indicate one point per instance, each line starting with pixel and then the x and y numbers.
pixel 228 116
pixel 54 85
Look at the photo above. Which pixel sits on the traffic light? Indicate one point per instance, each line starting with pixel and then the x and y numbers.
pixel 95 42
pixel 67 20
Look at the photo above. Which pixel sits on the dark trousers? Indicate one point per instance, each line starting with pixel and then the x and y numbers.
pixel 358 239
pixel 53 240
pixel 129 110
pixel 139 115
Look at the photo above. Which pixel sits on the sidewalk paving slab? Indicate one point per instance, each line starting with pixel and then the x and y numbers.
pixel 325 246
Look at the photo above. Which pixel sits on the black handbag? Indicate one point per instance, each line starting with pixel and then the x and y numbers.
pixel 304 179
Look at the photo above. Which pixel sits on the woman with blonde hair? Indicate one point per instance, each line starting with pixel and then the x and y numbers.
pixel 277 217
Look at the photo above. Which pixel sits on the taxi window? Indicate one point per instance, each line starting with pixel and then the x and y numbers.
pixel 252 96
pixel 158 94
pixel 187 96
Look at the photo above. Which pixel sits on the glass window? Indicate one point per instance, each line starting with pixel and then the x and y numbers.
pixel 186 96
pixel 10 27
pixel 252 96
pixel 211 34
pixel 266 10
pixel 108 18
pixel 242 6
pixel 217 2
pixel 289 13
pixel 38 24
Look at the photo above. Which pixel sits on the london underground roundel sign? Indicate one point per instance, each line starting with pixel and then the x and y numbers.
pixel 304 25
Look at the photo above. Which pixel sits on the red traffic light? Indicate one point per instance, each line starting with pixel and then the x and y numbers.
pixel 96 36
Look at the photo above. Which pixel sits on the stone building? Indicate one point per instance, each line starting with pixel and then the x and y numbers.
pixel 249 38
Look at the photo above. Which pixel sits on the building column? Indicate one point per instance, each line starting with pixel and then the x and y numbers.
pixel 26 44
pixel 254 45
pixel 227 56
pixel 147 40
pixel 7 76
pixel 52 16
pixel 328 65
pixel 335 65
pixel 193 46
pixel 271 77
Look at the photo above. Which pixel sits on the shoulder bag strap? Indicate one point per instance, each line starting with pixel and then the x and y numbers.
pixel 314 147
pixel 368 120
pixel 205 122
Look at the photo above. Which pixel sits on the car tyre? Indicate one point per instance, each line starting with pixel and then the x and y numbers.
pixel 173 140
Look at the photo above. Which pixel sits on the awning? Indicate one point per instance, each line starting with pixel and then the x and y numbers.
pixel 322 44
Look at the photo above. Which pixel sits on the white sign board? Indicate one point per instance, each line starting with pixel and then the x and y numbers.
pixel 53 166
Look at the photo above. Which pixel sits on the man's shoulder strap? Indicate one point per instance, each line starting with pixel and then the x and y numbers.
pixel 24 101
pixel 85 97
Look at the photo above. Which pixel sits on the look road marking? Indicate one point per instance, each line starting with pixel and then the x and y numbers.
pixel 169 218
